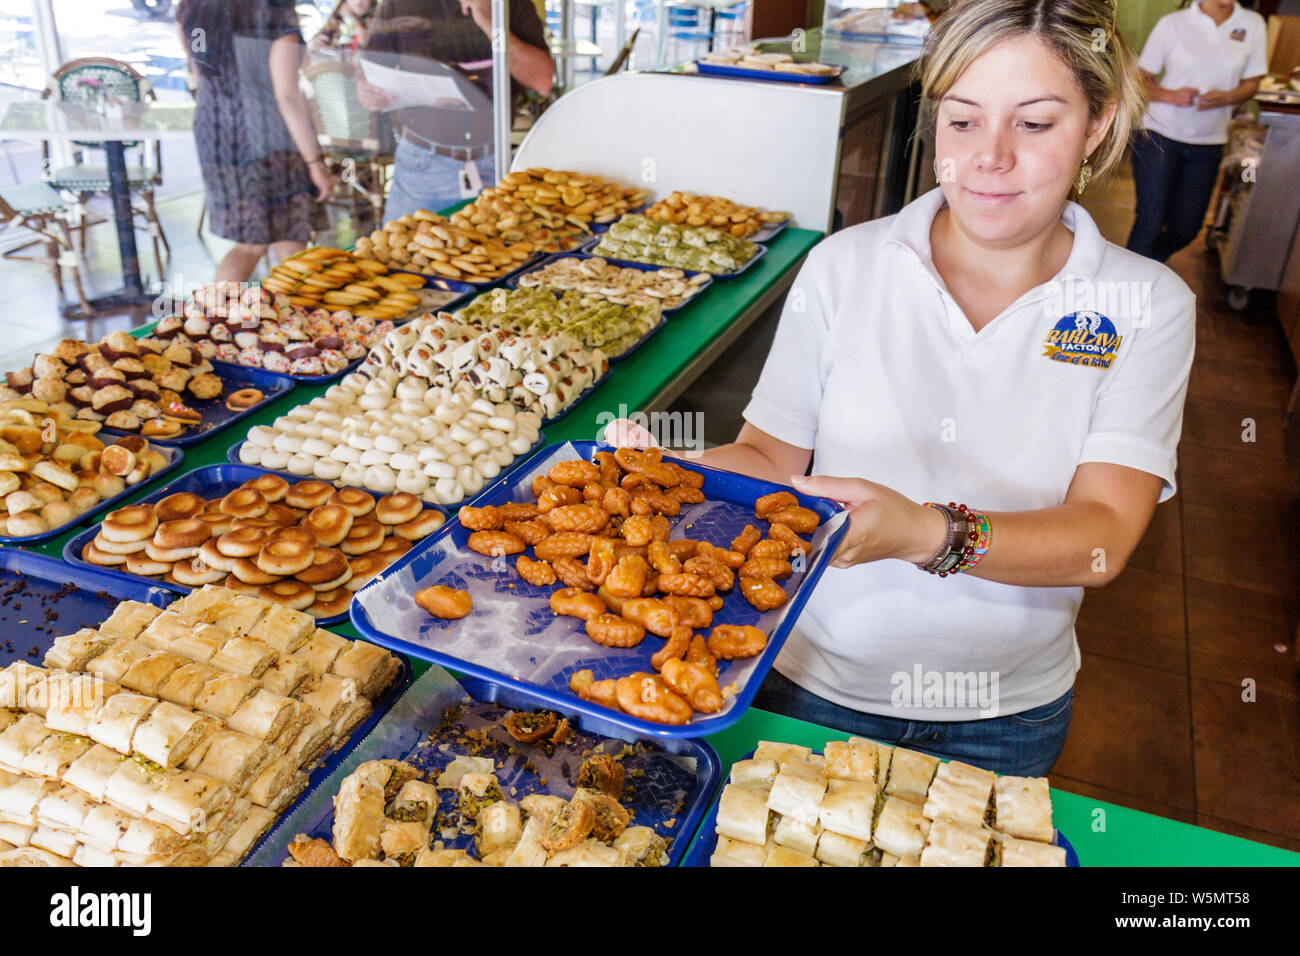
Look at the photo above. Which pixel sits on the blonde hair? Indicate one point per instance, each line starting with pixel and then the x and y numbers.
pixel 1082 33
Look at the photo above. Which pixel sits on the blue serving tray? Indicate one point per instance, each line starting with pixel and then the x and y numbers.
pixel 174 458
pixel 216 417
pixel 769 232
pixel 898 39
pixel 706 839
pixel 589 247
pixel 716 69
pixel 478 286
pixel 210 481
pixel 42 597
pixel 641 266
pixel 667 790
pixel 552 648
pixel 232 456
pixel 304 379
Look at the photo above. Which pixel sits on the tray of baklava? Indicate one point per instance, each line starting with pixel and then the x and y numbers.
pixel 157 731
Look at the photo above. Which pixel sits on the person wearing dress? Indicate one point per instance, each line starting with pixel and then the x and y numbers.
pixel 1198 63
pixel 263 173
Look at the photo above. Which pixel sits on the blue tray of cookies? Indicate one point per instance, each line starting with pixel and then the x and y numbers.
pixel 589 248
pixel 706 839
pixel 668 783
pixel 513 638
pixel 216 416
pixel 640 266
pixel 210 481
pixel 174 458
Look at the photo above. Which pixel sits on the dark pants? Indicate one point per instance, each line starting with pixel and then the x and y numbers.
pixel 1174 182
pixel 1024 744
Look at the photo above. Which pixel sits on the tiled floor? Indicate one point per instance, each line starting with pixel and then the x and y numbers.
pixel 1203 617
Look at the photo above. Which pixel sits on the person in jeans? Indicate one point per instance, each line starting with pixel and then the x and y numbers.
pixel 1198 63
pixel 432 170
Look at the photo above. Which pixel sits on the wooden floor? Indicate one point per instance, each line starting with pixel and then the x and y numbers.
pixel 1207 605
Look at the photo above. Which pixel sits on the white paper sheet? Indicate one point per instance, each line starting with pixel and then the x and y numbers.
pixel 414 89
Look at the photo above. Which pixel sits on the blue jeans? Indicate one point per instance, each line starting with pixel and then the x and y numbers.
pixel 1174 182
pixel 1024 744
pixel 424 180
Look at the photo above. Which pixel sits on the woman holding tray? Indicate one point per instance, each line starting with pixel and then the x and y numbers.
pixel 993 389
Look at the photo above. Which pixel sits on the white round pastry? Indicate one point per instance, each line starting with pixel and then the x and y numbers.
pixel 505 410
pixel 494 438
pixel 292 444
pixel 476 447
pixel 462 433
pixel 317 447
pixel 329 419
pixel 439 469
pixel 388 443
pixel 527 432
pixel 503 456
pixel 275 459
pixel 381 479
pixel 339 394
pixel 411 390
pixel 323 404
pixel 435 397
pixel 459 458
pixel 483 406
pixel 354 382
pixel 519 444
pixel 529 420
pixel 251 454
pixel 406 434
pixel 302 464
pixel 404 461
pixel 486 467
pixel 445 445
pixel 448 491
pixel 371 402
pixel 414 410
pixel 374 456
pixel 331 434
pixel 312 429
pixel 501 424
pixel 412 482
pixel 360 440
pixel 284 424
pixel 327 469
pixel 428 429
pixel 346 454
pixel 261 436
pixel 353 474
pixel 301 413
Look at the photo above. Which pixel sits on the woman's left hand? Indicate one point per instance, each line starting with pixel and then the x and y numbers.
pixel 882 522
pixel 1213 99
pixel 323 180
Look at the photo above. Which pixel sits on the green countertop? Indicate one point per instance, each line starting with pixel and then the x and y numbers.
pixel 1103 834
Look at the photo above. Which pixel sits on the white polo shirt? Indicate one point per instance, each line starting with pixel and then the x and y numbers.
pixel 1190 49
pixel 878 371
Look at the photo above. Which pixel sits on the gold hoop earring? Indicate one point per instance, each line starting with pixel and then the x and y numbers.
pixel 1085 177
pixel 936 169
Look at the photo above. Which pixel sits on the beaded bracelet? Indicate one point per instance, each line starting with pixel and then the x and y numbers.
pixel 967 540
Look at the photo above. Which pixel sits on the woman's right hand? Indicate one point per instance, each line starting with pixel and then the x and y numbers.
pixel 1184 96
pixel 622 433
pixel 323 180
pixel 373 97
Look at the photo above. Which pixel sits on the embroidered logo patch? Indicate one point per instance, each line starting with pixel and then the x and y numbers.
pixel 1083 338
pixel 1238 35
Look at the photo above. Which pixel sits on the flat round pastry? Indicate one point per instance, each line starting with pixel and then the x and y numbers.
pixel 398 508
pixel 156 552
pixel 426 523
pixel 355 500
pixel 329 523
pixel 329 569
pixel 393 548
pixel 272 487
pixel 196 572
pixel 295 534
pixel 117 547
pixel 92 555
pixel 282 515
pixel 331 603
pixel 161 428
pixel 233 583
pixel 261 524
pixel 245 503
pixel 285 556
pixel 133 523
pixel 308 494
pixel 181 505
pixel 364 569
pixel 184 533
pixel 218 522
pixel 143 564
pixel 365 536
pixel 247 571
pixel 213 557
pixel 243 399
pixel 292 594
pixel 242 542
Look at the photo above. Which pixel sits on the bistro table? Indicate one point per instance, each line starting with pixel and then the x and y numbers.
pixel 42 120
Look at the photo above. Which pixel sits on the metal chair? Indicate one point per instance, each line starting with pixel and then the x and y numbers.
pixel 684 23
pixel 732 20
pixel 353 140
pixel 40 208
pixel 72 83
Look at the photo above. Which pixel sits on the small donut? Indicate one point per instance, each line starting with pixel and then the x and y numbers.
pixel 329 523
pixel 308 494
pixel 393 548
pixel 424 524
pixel 196 572
pixel 133 523
pixel 232 583
pixel 331 603
pixel 262 524
pixel 243 399
pixel 398 508
pixel 358 502
pixel 92 555
pixel 180 506
pixel 242 542
pixel 182 534
pixel 247 571
pixel 217 521
pixel 144 565
pixel 282 515
pixel 364 569
pixel 117 547
pixel 292 594
pixel 167 556
pixel 212 556
pixel 365 536
pixel 329 570
pixel 273 487
pixel 295 534
pixel 285 556
pixel 244 503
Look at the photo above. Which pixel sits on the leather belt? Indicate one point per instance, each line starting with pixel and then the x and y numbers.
pixel 459 153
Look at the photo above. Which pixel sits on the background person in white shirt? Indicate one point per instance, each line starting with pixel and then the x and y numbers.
pixel 1198 63
pixel 958 352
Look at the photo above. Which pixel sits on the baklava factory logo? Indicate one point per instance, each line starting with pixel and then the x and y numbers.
pixel 1083 338
pixel 948 690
